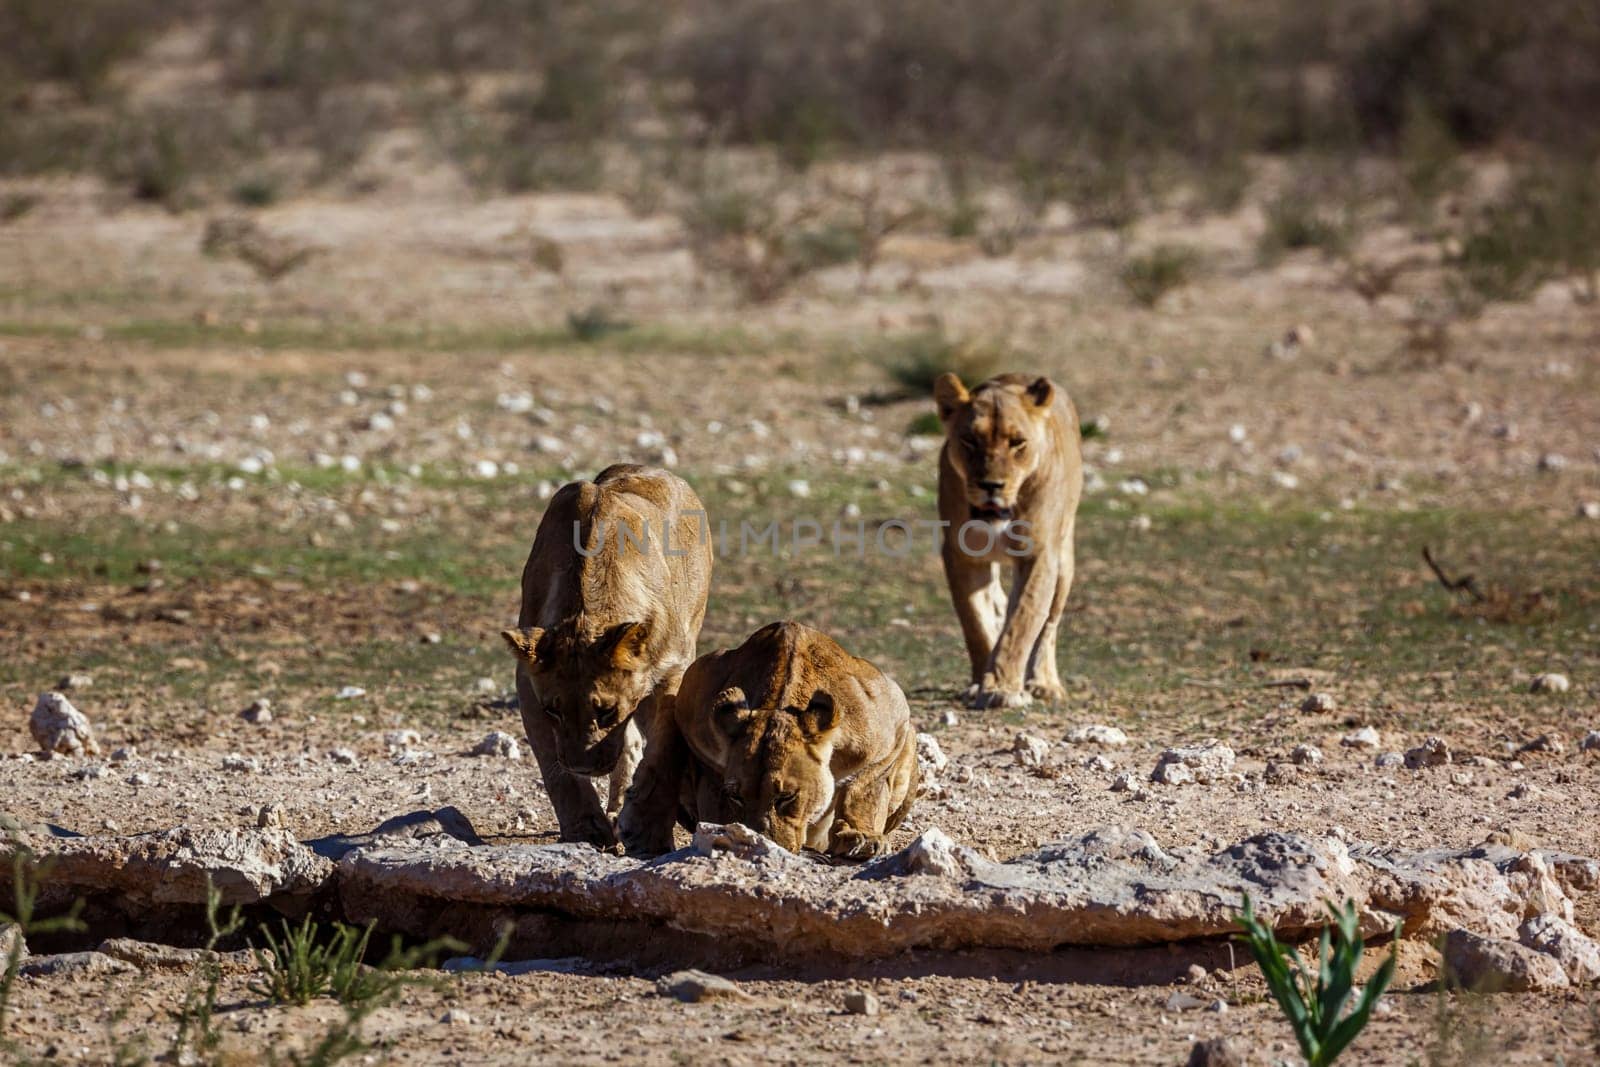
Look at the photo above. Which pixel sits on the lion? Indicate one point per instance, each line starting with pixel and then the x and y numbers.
pixel 1010 478
pixel 613 595
pixel 788 734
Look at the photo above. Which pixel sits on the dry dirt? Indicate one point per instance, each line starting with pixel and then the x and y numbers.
pixel 299 578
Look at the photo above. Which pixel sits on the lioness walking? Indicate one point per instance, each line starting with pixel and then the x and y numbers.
pixel 1010 477
pixel 613 595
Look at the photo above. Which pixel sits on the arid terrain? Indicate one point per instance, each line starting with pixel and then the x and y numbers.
pixel 272 455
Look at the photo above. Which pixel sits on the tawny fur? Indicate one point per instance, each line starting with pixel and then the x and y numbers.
pixel 788 734
pixel 603 640
pixel 1012 462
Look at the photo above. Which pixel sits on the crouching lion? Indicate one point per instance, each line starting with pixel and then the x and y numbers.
pixel 613 595
pixel 788 734
pixel 1010 477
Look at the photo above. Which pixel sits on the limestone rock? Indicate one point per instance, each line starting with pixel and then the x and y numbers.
pixel 149 956
pixel 1306 755
pixel 58 727
pixel 1206 762
pixel 86 964
pixel 1217 1052
pixel 1096 734
pixel 861 1002
pixel 173 866
pixel 11 939
pixel 934 853
pixel 1577 953
pixel 498 743
pixel 1549 683
pixel 1319 704
pixel 1388 760
pixel 692 986
pixel 1030 751
pixel 931 759
pixel 1433 752
pixel 1497 965
pixel 1365 738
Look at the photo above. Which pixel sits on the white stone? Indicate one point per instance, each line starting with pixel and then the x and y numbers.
pixel 1097 734
pixel 1030 751
pixel 931 759
pixel 58 727
pixel 498 743
pixel 1550 683
pixel 1364 738
pixel 1319 704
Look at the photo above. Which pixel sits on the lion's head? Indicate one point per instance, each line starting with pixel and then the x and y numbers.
pixel 776 780
pixel 996 435
pixel 590 681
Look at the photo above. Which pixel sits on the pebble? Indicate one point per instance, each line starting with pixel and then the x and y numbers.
pixel 401 739
pixel 1029 750
pixel 58 727
pixel 269 816
pixel 1386 760
pixel 486 685
pixel 1099 763
pixel 259 712
pixel 1126 782
pixel 1589 509
pixel 456 1017
pixel 931 759
pixel 1204 763
pixel 1365 738
pixel 344 757
pixel 1544 743
pixel 861 1002
pixel 1097 734
pixel 243 764
pixel 1433 752
pixel 498 743
pixel 800 488
pixel 949 718
pixel 350 692
pixel 1319 704
pixel 1305 755
pixel 692 987
pixel 1549 683
pixel 1590 742
pixel 124 754
pixel 75 681
pixel 1217 1052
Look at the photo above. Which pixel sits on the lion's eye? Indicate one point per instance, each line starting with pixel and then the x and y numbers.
pixel 605 716
pixel 1018 444
pixel 786 802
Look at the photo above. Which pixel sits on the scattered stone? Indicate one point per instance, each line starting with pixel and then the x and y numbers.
pixel 11 940
pixel 259 712
pixel 1544 743
pixel 933 852
pixel 1306 755
pixel 1498 965
pixel 1126 782
pixel 456 1017
pixel 350 692
pixel 1206 762
pixel 1029 750
pixel 487 685
pixel 1217 1052
pixel 1099 762
pixel 88 773
pixel 60 728
pixel 949 718
pixel 799 488
pixel 1551 462
pixel 241 764
pixel 1577 953
pixel 399 740
pixel 138 779
pixel 1589 509
pixel 344 757
pixel 1194 974
pixel 1549 683
pixel 86 964
pixel 75 681
pixel 692 987
pixel 1387 760
pixel 861 1002
pixel 1097 734
pixel 269 816
pixel 498 743
pixel 1319 704
pixel 149 956
pixel 1590 742
pixel 931 759
pixel 431 637
pixel 124 754
pixel 1182 1001
pixel 1364 738
pixel 1433 752
pixel 1279 773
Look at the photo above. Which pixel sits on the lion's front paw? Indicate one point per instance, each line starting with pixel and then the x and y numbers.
pixel 846 843
pixel 596 832
pixel 1049 692
pixel 989 695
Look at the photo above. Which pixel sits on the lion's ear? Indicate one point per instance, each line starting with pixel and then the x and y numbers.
pixel 821 714
pixel 730 714
pixel 1041 392
pixel 949 394
pixel 524 643
pixel 625 644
